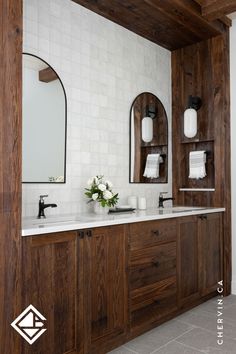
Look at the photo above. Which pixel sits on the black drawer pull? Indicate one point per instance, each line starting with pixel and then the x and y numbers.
pixel 156 263
pixel 81 234
pixel 89 233
pixel 203 217
pixel 156 301
pixel 156 232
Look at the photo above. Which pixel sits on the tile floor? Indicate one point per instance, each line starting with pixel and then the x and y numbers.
pixel 193 332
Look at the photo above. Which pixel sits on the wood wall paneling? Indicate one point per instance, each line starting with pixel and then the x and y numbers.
pixel 159 143
pixel 203 70
pixel 10 172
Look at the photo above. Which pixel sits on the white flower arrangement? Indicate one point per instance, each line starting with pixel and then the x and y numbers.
pixel 100 190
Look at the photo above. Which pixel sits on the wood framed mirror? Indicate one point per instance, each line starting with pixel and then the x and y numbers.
pixel 148 140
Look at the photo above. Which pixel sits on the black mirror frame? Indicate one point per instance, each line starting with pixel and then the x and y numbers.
pixel 65 150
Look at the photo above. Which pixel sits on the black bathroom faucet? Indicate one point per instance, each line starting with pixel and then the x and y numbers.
pixel 43 206
pixel 162 199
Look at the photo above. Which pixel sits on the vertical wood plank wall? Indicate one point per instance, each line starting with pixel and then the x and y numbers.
pixel 10 171
pixel 202 70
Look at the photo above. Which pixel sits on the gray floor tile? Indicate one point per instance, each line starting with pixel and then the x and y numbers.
pixel 122 350
pixel 211 305
pixel 208 321
pixel 177 348
pixel 206 341
pixel 230 300
pixel 229 314
pixel 193 332
pixel 156 338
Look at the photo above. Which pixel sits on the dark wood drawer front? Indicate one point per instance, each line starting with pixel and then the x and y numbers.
pixel 151 265
pixel 153 301
pixel 151 233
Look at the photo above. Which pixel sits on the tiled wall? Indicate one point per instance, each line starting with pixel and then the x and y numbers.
pixel 103 67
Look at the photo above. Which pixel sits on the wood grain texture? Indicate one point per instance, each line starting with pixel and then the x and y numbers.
pixel 152 264
pixel 152 272
pixel 150 303
pixel 50 284
pixel 188 260
pixel 151 233
pixel 105 288
pixel 171 23
pixel 203 70
pixel 214 9
pixel 10 172
pixel 159 143
pixel 47 75
pixel 210 251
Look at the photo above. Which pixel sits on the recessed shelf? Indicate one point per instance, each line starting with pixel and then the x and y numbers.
pixel 153 145
pixel 197 189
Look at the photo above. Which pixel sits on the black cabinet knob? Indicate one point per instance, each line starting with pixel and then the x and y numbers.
pixel 156 232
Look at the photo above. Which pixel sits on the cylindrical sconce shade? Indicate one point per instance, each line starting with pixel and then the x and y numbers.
pixel 190 123
pixel 147 129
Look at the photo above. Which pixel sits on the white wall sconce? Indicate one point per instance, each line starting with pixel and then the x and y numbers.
pixel 147 123
pixel 190 116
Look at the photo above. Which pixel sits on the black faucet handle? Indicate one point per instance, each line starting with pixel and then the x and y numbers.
pixel 42 197
pixel 161 194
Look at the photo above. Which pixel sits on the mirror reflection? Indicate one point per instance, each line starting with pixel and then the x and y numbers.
pixel 148 140
pixel 44 123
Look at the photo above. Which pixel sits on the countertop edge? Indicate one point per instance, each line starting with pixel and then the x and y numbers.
pixel 77 225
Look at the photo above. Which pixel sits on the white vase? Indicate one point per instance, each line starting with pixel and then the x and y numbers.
pixel 99 209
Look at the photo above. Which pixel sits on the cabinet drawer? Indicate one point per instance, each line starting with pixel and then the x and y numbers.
pixel 151 233
pixel 153 301
pixel 151 265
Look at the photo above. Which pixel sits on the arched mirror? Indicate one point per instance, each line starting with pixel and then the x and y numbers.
pixel 148 140
pixel 44 123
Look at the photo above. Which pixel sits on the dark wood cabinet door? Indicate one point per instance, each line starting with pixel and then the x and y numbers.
pixel 210 249
pixel 105 288
pixel 187 265
pixel 50 285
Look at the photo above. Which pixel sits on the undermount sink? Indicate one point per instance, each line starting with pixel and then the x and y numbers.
pixel 179 209
pixel 53 221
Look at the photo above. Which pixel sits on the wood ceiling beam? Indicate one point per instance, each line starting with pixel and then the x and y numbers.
pixel 216 9
pixel 47 75
pixel 171 23
pixel 224 19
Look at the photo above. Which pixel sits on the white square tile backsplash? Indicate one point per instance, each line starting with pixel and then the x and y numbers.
pixel 103 67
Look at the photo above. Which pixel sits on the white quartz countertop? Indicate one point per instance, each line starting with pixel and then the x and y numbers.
pixel 62 223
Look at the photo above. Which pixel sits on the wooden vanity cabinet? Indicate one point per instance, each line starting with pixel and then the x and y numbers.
pixel 199 267
pixel 105 296
pixel 50 285
pixel 188 260
pixel 210 252
pixel 152 272
pixel 78 281
pixel 100 287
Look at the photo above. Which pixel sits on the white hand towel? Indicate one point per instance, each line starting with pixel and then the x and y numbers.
pixel 152 165
pixel 197 164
